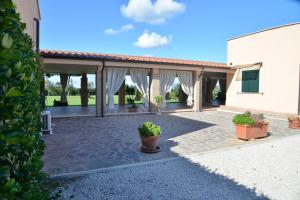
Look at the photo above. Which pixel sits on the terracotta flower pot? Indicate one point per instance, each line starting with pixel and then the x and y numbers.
pixel 132 109
pixel 294 124
pixel 246 132
pixel 149 143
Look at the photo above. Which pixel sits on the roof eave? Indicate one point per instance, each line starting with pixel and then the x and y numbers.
pixel 125 60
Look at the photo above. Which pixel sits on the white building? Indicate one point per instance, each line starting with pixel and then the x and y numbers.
pixel 272 84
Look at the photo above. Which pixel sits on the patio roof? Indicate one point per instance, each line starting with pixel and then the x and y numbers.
pixel 127 58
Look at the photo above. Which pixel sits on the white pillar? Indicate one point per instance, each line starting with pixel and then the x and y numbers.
pixel 154 88
pixel 198 77
pixel 99 83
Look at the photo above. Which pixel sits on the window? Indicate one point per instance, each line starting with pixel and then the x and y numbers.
pixel 250 81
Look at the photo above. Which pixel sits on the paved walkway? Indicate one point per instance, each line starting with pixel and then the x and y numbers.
pixel 269 170
pixel 85 143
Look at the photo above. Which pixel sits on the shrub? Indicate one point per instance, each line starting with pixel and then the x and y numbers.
pixel 21 147
pixel 175 91
pixel 131 101
pixel 148 129
pixel 242 119
pixel 130 90
pixel 215 93
pixel 138 95
pixel 249 119
pixel 59 103
pixel 258 117
pixel 158 100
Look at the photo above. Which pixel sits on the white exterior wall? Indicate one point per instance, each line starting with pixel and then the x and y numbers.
pixel 279 51
pixel 29 10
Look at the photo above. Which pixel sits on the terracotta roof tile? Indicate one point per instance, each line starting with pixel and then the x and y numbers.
pixel 116 57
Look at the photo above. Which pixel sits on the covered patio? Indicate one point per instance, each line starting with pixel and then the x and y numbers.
pixel 81 111
pixel 151 77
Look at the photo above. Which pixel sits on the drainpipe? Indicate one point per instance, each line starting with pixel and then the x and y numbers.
pixel 37 43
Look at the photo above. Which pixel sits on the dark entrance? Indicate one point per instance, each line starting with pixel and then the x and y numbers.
pixel 214 88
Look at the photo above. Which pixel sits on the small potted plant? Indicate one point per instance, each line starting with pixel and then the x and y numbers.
pixel 294 121
pixel 149 134
pixel 158 101
pixel 250 125
pixel 215 101
pixel 131 100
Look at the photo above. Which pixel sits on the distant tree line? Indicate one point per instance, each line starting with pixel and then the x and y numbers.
pixel 54 88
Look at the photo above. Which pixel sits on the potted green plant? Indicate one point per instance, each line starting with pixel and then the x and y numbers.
pixel 250 125
pixel 158 101
pixel 294 121
pixel 131 102
pixel 131 99
pixel 215 101
pixel 149 134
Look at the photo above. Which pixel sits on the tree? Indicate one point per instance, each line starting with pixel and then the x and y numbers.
pixel 53 89
pixel 91 88
pixel 72 90
pixel 174 94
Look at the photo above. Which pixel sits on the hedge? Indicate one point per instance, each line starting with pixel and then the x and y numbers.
pixel 21 146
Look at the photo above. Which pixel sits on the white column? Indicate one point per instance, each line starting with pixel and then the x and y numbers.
pixel 99 101
pixel 198 77
pixel 154 88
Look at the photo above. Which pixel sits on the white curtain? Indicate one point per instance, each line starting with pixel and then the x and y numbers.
pixel 140 79
pixel 167 78
pixel 186 80
pixel 115 78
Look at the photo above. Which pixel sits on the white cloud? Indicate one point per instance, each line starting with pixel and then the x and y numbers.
pixel 152 40
pixel 124 28
pixel 152 12
pixel 127 27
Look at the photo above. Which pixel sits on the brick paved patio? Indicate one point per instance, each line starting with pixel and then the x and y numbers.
pixel 84 143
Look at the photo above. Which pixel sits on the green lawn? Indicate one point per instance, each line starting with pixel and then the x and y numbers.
pixel 75 100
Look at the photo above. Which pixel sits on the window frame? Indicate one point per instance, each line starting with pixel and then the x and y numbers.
pixel 251 83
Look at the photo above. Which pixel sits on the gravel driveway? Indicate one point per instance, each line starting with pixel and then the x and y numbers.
pixel 269 170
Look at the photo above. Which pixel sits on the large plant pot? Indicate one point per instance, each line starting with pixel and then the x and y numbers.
pixel 295 124
pixel 246 132
pixel 149 144
pixel 132 109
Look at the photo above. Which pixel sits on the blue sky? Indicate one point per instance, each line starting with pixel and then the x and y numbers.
pixel 187 29
pixel 198 32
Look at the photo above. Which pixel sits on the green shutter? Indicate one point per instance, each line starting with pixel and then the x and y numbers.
pixel 250 81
